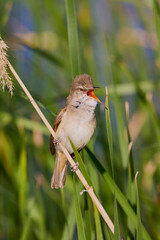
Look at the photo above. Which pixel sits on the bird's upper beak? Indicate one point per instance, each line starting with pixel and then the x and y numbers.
pixel 96 87
pixel 90 93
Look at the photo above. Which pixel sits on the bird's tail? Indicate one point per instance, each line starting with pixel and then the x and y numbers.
pixel 59 174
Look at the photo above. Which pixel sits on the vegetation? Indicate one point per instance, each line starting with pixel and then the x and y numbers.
pixel 50 42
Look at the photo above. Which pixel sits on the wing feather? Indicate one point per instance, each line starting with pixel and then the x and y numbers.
pixel 55 127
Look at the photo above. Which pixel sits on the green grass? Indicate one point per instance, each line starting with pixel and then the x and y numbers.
pixel 120 50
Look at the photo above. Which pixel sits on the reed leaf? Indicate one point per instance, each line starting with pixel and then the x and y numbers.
pixel 119 195
pixel 73 37
pixel 139 225
pixel 80 224
pixel 98 224
pixel 110 143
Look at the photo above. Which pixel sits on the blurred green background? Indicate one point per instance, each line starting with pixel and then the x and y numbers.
pixel 119 47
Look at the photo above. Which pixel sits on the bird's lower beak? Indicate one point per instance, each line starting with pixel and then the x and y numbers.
pixel 90 93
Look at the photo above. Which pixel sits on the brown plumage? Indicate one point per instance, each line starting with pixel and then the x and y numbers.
pixel 55 126
pixel 76 121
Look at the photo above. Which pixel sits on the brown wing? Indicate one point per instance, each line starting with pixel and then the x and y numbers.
pixel 55 126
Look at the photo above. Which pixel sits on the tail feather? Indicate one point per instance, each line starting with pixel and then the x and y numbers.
pixel 59 174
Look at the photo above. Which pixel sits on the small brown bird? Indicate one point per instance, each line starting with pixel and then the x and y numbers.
pixel 75 122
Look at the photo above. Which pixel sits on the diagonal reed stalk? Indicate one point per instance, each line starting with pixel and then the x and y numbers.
pixel 71 161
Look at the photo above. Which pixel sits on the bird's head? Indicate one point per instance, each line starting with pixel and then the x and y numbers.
pixel 82 89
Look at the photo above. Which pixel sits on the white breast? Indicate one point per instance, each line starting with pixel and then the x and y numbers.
pixel 78 128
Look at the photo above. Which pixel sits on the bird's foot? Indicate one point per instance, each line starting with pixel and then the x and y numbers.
pixel 75 167
pixel 56 141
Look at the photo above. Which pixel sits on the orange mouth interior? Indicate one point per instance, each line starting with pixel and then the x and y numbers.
pixel 90 93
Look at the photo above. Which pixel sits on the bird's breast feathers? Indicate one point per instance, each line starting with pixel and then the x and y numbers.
pixel 76 127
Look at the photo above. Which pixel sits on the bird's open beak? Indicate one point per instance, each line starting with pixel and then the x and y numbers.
pixel 90 93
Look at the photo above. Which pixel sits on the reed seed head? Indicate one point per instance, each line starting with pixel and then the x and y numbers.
pixel 5 80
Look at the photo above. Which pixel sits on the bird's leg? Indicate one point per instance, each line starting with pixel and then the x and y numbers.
pixel 75 167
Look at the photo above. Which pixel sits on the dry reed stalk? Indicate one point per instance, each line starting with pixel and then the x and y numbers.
pixel 71 161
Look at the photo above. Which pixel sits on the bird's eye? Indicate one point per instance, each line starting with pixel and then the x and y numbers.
pixel 81 89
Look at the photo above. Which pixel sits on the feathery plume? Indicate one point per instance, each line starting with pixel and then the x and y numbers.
pixel 5 80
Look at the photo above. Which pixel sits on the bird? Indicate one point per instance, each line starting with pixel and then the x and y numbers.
pixel 76 122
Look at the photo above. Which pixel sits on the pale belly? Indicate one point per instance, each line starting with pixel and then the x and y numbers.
pixel 78 131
